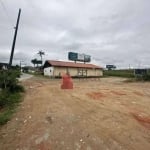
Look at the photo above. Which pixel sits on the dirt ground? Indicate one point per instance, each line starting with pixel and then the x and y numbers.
pixel 105 114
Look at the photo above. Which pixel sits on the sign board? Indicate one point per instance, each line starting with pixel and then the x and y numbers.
pixel 79 57
pixel 87 58
pixel 72 56
pixel 109 67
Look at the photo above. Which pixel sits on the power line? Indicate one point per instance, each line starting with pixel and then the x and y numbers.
pixel 6 12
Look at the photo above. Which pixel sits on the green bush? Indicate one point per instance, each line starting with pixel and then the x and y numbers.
pixel 8 79
pixel 5 116
pixel 143 78
pixel 10 94
pixel 8 99
pixel 127 73
pixel 16 88
pixel 119 73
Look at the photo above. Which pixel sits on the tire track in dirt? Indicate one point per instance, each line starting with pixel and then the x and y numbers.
pixel 91 117
pixel 69 119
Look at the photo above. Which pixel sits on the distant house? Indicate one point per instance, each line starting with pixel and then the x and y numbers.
pixel 140 72
pixel 29 69
pixel 3 66
pixel 56 68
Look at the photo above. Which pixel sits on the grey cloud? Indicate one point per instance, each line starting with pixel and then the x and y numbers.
pixel 110 31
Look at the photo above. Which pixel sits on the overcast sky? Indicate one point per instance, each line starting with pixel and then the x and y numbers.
pixel 111 31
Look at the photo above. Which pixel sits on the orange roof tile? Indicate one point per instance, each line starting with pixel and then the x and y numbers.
pixel 72 64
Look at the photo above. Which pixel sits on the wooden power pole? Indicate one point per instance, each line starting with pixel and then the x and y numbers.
pixel 14 40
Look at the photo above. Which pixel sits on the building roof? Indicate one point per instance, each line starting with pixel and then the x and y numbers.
pixel 71 64
pixel 1 63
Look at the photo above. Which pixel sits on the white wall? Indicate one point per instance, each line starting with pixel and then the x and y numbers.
pixel 48 71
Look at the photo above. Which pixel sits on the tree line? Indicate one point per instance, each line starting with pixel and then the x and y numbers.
pixel 37 62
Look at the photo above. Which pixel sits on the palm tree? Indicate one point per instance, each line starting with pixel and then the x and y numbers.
pixel 41 53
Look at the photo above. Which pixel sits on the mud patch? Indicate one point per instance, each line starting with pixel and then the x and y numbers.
pixel 49 119
pixel 44 146
pixel 95 95
pixel 143 119
pixel 138 93
pixel 118 93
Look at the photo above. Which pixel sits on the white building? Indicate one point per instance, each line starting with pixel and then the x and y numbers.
pixel 56 68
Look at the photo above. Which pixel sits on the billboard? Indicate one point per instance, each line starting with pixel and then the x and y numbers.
pixel 79 57
pixel 110 67
pixel 87 58
pixel 72 56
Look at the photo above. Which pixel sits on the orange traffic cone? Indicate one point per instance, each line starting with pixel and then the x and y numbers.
pixel 66 82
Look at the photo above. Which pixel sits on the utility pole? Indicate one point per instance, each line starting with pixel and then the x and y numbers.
pixel 20 64
pixel 14 40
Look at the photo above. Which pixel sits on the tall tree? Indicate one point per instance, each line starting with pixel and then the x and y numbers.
pixel 34 61
pixel 41 53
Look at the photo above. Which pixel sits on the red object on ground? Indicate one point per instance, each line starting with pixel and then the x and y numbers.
pixel 66 82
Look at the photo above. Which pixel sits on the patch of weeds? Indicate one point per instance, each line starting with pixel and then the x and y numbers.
pixel 17 88
pixel 5 116
pixel 8 99
pixel 8 103
pixel 10 93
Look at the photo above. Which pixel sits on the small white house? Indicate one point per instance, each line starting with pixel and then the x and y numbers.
pixel 49 71
pixel 3 66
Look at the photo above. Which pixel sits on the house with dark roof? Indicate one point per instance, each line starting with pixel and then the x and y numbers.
pixel 56 68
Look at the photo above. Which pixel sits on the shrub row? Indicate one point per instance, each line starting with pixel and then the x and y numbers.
pixel 10 93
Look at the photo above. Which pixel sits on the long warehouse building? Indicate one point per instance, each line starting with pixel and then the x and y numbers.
pixel 54 68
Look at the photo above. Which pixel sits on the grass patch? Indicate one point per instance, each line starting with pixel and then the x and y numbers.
pixel 8 103
pixel 9 99
pixel 10 93
pixel 119 73
pixel 127 73
pixel 6 115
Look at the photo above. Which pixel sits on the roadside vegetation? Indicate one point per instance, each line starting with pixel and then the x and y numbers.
pixel 119 73
pixel 127 73
pixel 10 93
